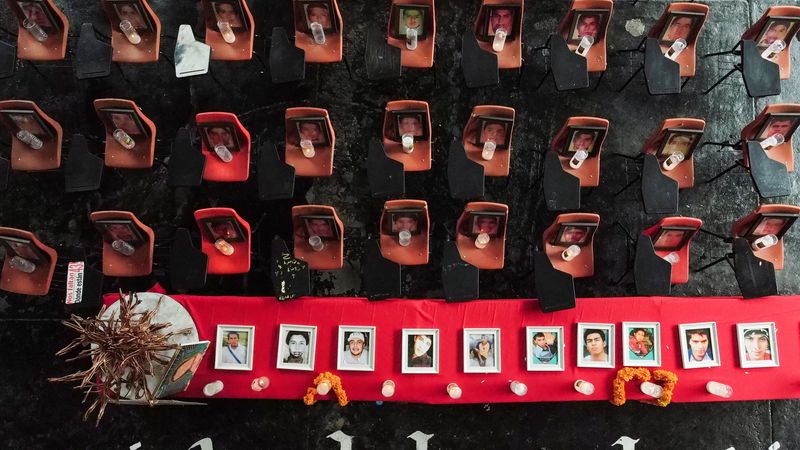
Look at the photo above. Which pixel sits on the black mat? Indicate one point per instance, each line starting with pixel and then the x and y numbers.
pixel 464 176
pixel 755 276
pixel 460 279
pixel 562 190
pixel 762 78
pixel 554 288
pixel 386 176
pixel 186 162
pixel 286 62
pixel 92 56
pixel 8 59
pixel 480 67
pixel 652 273
pixel 663 75
pixel 381 277
pixel 383 61
pixel 770 177
pixel 83 170
pixel 291 277
pixel 569 68
pixel 659 192
pixel 188 266
pixel 5 172
pixel 275 177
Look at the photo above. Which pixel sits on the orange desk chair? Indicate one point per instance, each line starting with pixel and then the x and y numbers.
pixel 761 33
pixel 782 118
pixel 668 139
pixel 408 116
pixel 422 56
pixel 242 29
pixel 316 125
pixel 674 234
pixel 124 226
pixel 490 122
pixel 767 219
pixel 25 245
pixel 19 115
pixel 476 219
pixel 601 10
pixel 572 229
pixel 568 140
pixel 410 215
pixel 49 23
pixel 224 224
pixel 125 115
pixel 224 128
pixel 321 221
pixel 681 20
pixel 502 12
pixel 326 13
pixel 145 24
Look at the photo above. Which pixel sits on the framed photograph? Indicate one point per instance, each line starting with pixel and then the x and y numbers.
pixel 230 11
pixel 223 227
pixel 28 120
pixel 181 369
pixel 596 345
pixel 132 11
pixel 124 119
pixel 356 348
pixel 234 347
pixel 678 141
pixel 672 238
pixel 409 121
pixel 322 226
pixel 23 248
pixel 758 344
pixel 784 124
pixel 699 346
pixel 297 347
pixel 404 219
pixel 120 229
pixel 492 223
pixel 644 344
pixel 320 11
pixel 575 233
pixel 589 139
pixel 39 12
pixel 770 223
pixel 409 16
pixel 420 350
pixel 497 129
pixel 219 133
pixel 783 28
pixel 482 350
pixel 681 25
pixel 501 16
pixel 544 348
pixel 587 22
pixel 315 129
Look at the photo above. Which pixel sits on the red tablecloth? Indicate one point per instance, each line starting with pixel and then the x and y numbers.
pixel 511 316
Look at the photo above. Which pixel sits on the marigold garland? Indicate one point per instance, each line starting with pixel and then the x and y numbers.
pixel 336 385
pixel 623 376
pixel 669 380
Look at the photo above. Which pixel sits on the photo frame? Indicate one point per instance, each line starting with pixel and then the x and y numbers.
pixel 544 348
pixel 181 369
pixel 24 248
pixel 420 350
pixel 587 22
pixel 681 25
pixel 492 223
pixel 699 345
pixel 322 226
pixel 215 133
pixel 778 27
pixel 575 233
pixel 297 347
pixel 408 219
pixel 770 223
pixel 223 227
pixel 132 10
pixel 677 140
pixel 234 347
pixel 672 238
pixel 231 11
pixel 595 345
pixel 314 129
pixel 414 121
pixel 482 351
pixel 497 128
pixel 123 229
pixel 783 123
pixel 643 344
pixel 505 16
pixel 125 119
pixel 356 349
pixel 321 11
pixel 404 16
pixel 584 138
pixel 26 119
pixel 758 344
pixel 40 12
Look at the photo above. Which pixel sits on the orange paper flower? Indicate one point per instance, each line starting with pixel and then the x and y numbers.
pixel 336 385
pixel 623 376
pixel 669 380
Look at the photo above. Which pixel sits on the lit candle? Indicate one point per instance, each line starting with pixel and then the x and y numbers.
pixel 316 243
pixel 387 390
pixel 123 247
pixel 482 240
pixel 411 38
pixel 673 161
pixel 123 139
pixel 584 46
pixel 570 252
pixel 773 50
pixel 764 242
pixel 224 247
pixel 454 391
pixel 772 141
pixel 488 150
pixel 578 158
pixel 259 384
pixel 130 32
pixel 675 49
pixel 29 138
pixel 35 30
pixel 499 40
pixel 672 258
pixel 518 388
pixel 213 388
pixel 719 389
pixel 651 389
pixel 323 387
pixel 307 147
pixel 408 142
pixel 22 264
pixel 226 31
pixel 223 153
pixel 318 32
pixel 404 238
pixel 584 387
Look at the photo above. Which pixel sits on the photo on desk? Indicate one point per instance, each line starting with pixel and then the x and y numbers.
pixel 39 12
pixel 234 347
pixel 223 227
pixel 586 138
pixel 587 22
pixel 404 219
pixel 497 129
pixel 181 369
pixel 356 350
pixel 777 28
pixel 492 223
pixel 230 11
pixel 770 223
pixel 297 347
pixel 131 10
pixel 411 121
pixel 25 119
pixel 596 345
pixel 644 344
pixel 544 348
pixel 784 124
pixel 758 344
pixel 409 16
pixel 124 119
pixel 315 129
pixel 420 351
pixel 119 229
pixel 671 239
pixel 217 133
pixel 681 25
pixel 699 346
pixel 23 248
pixel 677 140
pixel 482 350
pixel 501 16
pixel 575 233
pixel 307 12
pixel 320 225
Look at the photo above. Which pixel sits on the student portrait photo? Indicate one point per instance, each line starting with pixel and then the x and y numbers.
pixel 586 23
pixel 26 120
pixel 405 220
pixel 481 350
pixel 596 345
pixel 758 346
pixel 356 348
pixel 579 234
pixel 296 347
pixel 314 129
pixel 219 134
pixel 230 12
pixel 412 123
pixel 420 350
pixel 587 139
pixel 644 344
pixel 771 223
pixel 132 12
pixel 122 230
pixel 679 141
pixel 699 346
pixel 125 120
pixel 783 124
pixel 234 347
pixel 322 226
pixel 502 17
pixel 672 238
pixel 319 12
pixel 496 130
pixel 680 25
pixel 226 228
pixel 39 13
pixel 23 248
pixel 774 30
pixel 484 222
pixel 544 348
pixel 410 17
